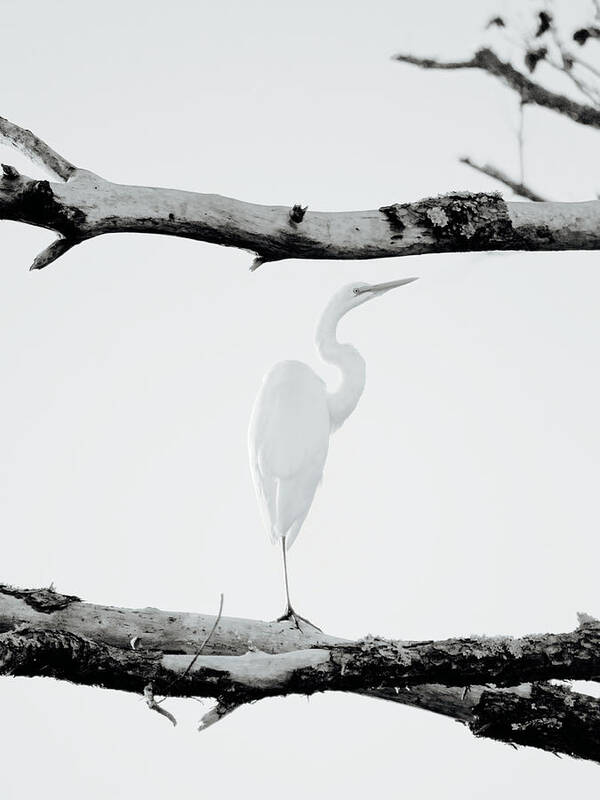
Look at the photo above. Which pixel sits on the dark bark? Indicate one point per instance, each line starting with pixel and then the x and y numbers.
pixel 554 718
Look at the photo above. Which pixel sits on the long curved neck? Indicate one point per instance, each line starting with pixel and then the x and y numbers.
pixel 350 363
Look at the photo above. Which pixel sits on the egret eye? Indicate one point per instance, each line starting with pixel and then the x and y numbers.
pixel 355 291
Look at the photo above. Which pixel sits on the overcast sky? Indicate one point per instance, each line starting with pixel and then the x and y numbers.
pixel 460 497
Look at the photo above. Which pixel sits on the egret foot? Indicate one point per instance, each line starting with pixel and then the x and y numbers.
pixel 296 618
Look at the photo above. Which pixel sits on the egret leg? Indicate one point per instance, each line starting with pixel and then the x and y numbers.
pixel 289 612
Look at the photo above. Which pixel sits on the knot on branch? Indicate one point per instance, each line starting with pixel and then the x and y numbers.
pixel 38 202
pixel 480 218
pixel 297 213
pixel 34 202
pixel 9 172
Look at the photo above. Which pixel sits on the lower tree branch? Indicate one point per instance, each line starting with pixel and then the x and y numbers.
pixel 48 634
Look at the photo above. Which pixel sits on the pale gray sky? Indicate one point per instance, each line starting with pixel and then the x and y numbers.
pixel 461 496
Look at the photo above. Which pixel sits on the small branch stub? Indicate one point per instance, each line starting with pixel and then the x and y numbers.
pixel 154 706
pixel 216 714
pixel 9 172
pixel 52 253
pixel 257 262
pixel 297 213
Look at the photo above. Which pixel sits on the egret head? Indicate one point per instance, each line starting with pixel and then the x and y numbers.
pixel 357 293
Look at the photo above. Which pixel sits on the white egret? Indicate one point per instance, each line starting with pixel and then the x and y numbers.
pixel 293 417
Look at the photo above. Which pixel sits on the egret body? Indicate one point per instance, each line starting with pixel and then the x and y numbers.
pixel 293 417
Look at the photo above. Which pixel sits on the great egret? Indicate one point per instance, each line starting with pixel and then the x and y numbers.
pixel 292 420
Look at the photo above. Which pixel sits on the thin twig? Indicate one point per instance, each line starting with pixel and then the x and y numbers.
pixel 195 658
pixel 493 172
pixel 568 58
pixel 154 706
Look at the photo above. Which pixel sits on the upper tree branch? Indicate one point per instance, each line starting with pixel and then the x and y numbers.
pixel 529 91
pixel 87 206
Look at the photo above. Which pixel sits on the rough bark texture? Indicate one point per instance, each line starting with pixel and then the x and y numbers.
pixel 145 651
pixel 86 206
pixel 553 718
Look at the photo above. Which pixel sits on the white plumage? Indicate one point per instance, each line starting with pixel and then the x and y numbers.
pixel 289 439
pixel 293 417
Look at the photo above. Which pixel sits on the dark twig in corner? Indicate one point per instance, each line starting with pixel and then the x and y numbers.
pixel 529 91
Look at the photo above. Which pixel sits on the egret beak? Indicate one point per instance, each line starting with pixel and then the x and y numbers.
pixel 385 287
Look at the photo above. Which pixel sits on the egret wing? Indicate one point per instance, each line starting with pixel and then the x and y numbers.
pixel 288 443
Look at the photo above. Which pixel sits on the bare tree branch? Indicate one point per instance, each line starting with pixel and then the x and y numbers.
pixel 515 186
pixel 43 635
pixel 529 91
pixel 87 206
